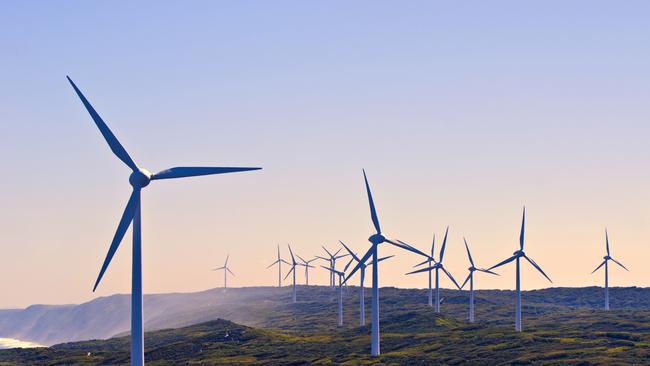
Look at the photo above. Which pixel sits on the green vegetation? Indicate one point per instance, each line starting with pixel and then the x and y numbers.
pixel 558 330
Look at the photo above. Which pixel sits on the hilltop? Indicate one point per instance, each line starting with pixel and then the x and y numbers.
pixel 561 327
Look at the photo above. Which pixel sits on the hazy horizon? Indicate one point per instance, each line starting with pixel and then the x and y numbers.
pixel 460 113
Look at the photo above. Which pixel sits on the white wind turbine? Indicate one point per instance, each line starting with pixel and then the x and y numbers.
pixel 516 256
pixel 279 262
pixel 226 270
pixel 332 261
pixel 470 278
pixel 437 266
pixel 307 267
pixel 362 271
pixel 341 276
pixel 293 265
pixel 375 240
pixel 429 262
pixel 139 179
pixel 607 258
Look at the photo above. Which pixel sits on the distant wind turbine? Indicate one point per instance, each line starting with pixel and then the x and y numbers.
pixel 470 278
pixel 517 255
pixel 375 240
pixel 332 260
pixel 362 271
pixel 226 270
pixel 438 266
pixel 341 276
pixel 429 262
pixel 607 258
pixel 307 267
pixel 293 265
pixel 138 179
pixel 279 262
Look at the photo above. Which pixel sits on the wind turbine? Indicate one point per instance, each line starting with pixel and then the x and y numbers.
pixel 341 275
pixel 375 240
pixel 138 179
pixel 332 260
pixel 437 266
pixel 470 278
pixel 225 272
pixel 517 255
pixel 362 271
pixel 307 267
pixel 293 265
pixel 606 259
pixel 429 262
pixel 279 262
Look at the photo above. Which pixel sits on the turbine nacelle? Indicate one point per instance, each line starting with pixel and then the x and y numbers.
pixel 377 239
pixel 140 178
pixel 472 269
pixel 607 257
pixel 519 253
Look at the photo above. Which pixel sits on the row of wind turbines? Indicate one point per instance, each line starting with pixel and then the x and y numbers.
pixel 433 265
pixel 140 178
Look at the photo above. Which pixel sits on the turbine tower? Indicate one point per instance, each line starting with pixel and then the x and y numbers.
pixel 375 240
pixel 226 270
pixel 293 265
pixel 437 266
pixel 607 258
pixel 362 271
pixel 429 262
pixel 332 261
pixel 138 179
pixel 307 267
pixel 516 256
pixel 341 275
pixel 279 262
pixel 470 278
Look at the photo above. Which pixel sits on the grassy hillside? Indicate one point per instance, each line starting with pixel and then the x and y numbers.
pixel 559 330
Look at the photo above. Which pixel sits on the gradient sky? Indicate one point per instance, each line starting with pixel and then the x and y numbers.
pixel 460 112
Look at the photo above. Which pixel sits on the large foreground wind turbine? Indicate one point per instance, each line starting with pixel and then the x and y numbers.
pixel 607 258
pixel 470 278
pixel 138 179
pixel 341 276
pixel 293 265
pixel 362 271
pixel 307 267
pixel 437 266
pixel 375 240
pixel 226 270
pixel 517 255
pixel 279 262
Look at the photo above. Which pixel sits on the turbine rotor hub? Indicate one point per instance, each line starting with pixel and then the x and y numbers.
pixel 377 239
pixel 140 178
pixel 472 269
pixel 519 253
pixel 607 257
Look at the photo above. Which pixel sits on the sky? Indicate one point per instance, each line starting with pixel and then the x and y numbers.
pixel 460 112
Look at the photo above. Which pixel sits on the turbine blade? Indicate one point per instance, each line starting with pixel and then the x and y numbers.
pixel 361 262
pixel 467 279
pixel 334 271
pixel 487 271
pixel 293 260
pixel 110 138
pixel 619 263
pixel 349 251
pixel 506 261
pixel 285 262
pixel 423 262
pixel 531 261
pixel 323 258
pixel 125 222
pixel 337 252
pixel 288 273
pixel 227 257
pixel 597 268
pixel 607 241
pixel 408 247
pixel 433 245
pixel 228 269
pixel 427 269
pixel 521 233
pixel 188 171
pixel 278 251
pixel 444 244
pixel 299 257
pixel 373 211
pixel 348 264
pixel 384 258
pixel 450 277
pixel 272 264
pixel 468 253
pixel 328 252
